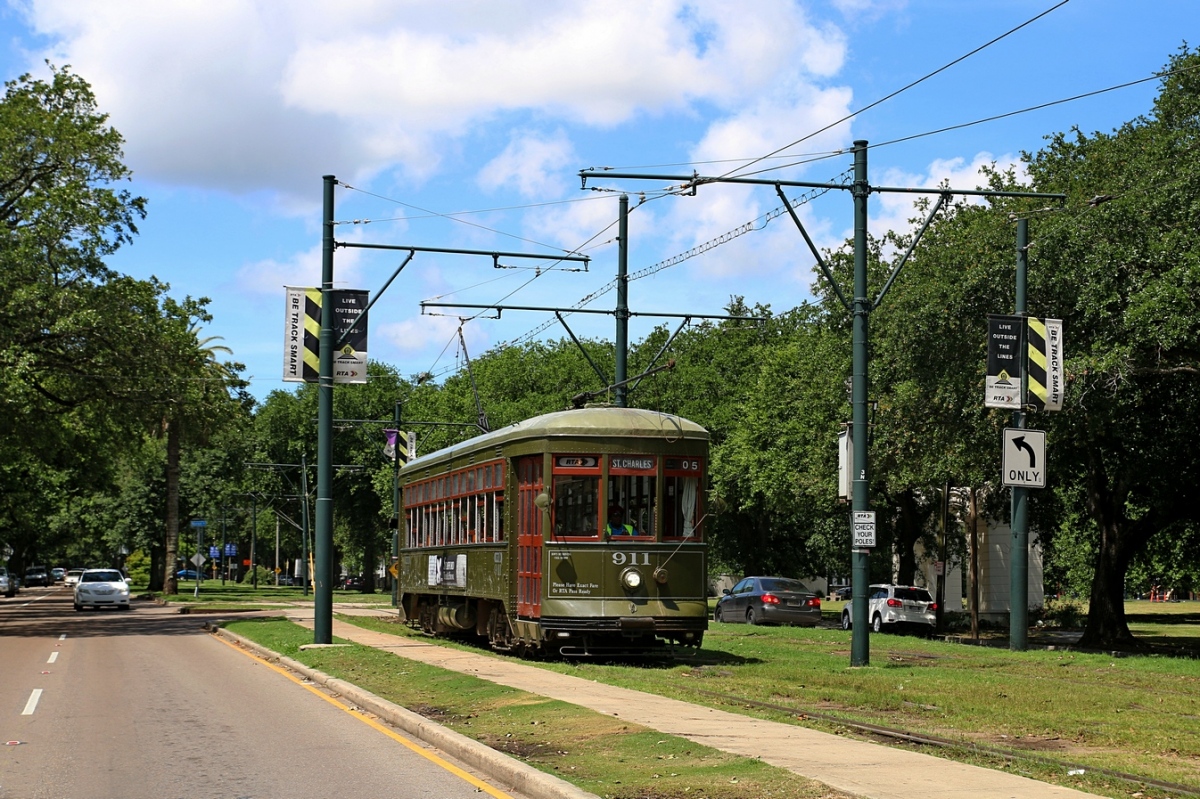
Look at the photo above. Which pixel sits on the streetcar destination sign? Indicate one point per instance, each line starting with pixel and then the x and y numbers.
pixel 863 528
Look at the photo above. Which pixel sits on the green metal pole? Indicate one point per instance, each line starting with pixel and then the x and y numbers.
pixel 304 522
pixel 254 540
pixel 322 585
pixel 622 343
pixel 224 546
pixel 1018 610
pixel 860 645
pixel 396 505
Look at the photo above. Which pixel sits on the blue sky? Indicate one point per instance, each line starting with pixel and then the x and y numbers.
pixel 463 124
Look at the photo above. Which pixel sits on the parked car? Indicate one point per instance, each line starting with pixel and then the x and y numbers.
pixel 189 574
pixel 896 607
pixel 36 575
pixel 72 577
pixel 842 594
pixel 8 582
pixel 100 587
pixel 352 582
pixel 58 574
pixel 769 600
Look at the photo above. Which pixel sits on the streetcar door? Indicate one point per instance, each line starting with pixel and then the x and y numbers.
pixel 529 537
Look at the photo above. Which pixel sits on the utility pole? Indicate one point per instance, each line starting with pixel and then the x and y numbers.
pixel 859 309
pixel 622 340
pixel 323 582
pixel 1018 612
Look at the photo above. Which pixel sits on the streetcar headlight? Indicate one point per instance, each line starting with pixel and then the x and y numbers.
pixel 631 579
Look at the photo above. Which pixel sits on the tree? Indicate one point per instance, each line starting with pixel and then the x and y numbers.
pixel 1124 275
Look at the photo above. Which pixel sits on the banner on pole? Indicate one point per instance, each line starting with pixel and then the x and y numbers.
pixel 1004 362
pixel 302 335
pixel 1045 380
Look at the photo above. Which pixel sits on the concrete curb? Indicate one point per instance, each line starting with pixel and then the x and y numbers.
pixel 520 777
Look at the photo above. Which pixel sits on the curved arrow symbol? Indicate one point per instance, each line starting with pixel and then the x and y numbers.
pixel 1019 443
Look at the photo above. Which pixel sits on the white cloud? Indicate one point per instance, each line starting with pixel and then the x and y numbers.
pixel 892 211
pixel 241 96
pixel 268 276
pixel 531 163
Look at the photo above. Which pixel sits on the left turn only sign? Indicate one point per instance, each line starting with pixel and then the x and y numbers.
pixel 1024 461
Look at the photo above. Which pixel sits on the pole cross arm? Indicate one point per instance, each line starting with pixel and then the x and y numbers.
pixel 546 309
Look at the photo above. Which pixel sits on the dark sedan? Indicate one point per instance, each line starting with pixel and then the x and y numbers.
pixel 769 600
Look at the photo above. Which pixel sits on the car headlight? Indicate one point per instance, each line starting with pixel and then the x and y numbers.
pixel 631 579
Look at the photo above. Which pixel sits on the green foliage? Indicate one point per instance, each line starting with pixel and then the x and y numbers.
pixel 137 566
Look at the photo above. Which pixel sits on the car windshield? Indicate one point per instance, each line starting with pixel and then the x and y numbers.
pixel 101 577
pixel 913 594
pixel 783 584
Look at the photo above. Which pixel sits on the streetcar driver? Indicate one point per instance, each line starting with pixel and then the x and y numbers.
pixel 616 523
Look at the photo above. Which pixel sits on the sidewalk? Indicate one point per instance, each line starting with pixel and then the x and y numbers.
pixel 855 767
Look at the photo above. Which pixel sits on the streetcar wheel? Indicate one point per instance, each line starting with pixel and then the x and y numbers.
pixel 877 623
pixel 845 621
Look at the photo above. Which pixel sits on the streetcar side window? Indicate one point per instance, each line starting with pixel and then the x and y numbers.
pixel 683 500
pixel 465 506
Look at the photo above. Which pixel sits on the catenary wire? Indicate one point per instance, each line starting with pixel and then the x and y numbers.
pixel 900 90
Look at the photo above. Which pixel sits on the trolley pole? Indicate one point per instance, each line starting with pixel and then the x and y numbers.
pixel 1018 610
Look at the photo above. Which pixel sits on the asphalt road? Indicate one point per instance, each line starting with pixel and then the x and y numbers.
pixel 143 703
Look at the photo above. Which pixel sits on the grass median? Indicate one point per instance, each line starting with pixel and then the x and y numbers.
pixel 1045 714
pixel 598 753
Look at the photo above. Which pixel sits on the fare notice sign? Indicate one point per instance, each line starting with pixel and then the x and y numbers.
pixel 863 528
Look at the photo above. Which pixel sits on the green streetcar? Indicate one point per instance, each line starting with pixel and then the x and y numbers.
pixel 577 533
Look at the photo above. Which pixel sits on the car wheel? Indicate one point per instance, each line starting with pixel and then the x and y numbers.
pixel 717 615
pixel 877 623
pixel 123 607
pixel 78 607
pixel 750 616
pixel 845 621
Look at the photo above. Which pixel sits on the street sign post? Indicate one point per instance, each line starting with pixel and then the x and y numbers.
pixel 1024 459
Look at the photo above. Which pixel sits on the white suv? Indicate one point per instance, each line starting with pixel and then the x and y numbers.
pixel 896 606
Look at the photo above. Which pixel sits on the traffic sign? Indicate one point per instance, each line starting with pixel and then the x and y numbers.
pixel 863 527
pixel 198 559
pixel 199 523
pixel 1023 463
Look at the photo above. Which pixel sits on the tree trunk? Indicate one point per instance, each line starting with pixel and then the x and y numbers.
pixel 1106 624
pixel 1119 539
pixel 912 525
pixel 170 584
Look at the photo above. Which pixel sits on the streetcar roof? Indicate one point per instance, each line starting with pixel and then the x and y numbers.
pixel 588 422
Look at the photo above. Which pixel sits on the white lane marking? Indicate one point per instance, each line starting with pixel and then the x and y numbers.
pixel 31 705
pixel 53 657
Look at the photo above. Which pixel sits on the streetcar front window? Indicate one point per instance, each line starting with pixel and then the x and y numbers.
pixel 634 495
pixel 576 505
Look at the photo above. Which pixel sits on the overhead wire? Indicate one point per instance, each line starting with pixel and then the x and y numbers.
pixel 899 91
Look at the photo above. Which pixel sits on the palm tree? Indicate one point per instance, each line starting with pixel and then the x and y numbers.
pixel 193 401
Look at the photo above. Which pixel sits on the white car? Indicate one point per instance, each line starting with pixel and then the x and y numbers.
pixel 100 587
pixel 896 606
pixel 72 577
